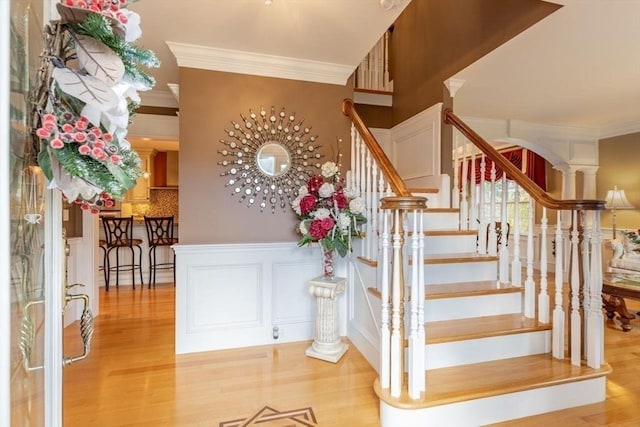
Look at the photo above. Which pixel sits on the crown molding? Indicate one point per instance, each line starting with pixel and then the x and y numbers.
pixel 624 129
pixel 257 64
pixel 158 98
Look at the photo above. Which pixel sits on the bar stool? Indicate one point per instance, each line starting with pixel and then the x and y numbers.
pixel 118 233
pixel 160 233
pixel 102 244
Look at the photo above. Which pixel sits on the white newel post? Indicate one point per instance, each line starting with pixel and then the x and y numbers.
pixel 327 344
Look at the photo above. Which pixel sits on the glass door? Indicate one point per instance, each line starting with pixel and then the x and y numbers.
pixel 26 223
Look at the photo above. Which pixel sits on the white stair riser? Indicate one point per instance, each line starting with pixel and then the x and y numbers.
pixel 451 244
pixel 494 409
pixel 472 306
pixel 455 353
pixel 460 272
pixel 437 221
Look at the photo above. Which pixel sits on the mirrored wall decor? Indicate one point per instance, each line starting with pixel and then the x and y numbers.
pixel 267 157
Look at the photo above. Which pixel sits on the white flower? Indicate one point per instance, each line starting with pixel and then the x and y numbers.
pixel 322 213
pixel 356 205
pixel 344 221
pixel 295 204
pixel 303 228
pixel 350 193
pixel 329 169
pixel 302 191
pixel 326 190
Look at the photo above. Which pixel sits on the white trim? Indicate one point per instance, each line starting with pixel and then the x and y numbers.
pixel 175 90
pixel 623 129
pixel 380 99
pixel 257 64
pixel 453 85
pixel 158 98
pixel 155 127
pixel 5 278
pixel 53 295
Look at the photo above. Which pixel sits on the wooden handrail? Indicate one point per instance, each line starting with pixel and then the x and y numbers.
pixel 516 174
pixel 390 173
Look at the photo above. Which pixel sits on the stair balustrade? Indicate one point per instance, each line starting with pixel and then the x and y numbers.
pixel 583 243
pixel 394 243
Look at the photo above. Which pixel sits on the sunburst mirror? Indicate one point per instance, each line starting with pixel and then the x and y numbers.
pixel 267 157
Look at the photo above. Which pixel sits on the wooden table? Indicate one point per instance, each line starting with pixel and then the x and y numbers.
pixel 616 287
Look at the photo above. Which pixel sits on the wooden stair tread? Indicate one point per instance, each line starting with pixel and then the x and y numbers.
pixel 441 210
pixel 480 327
pixel 465 289
pixel 494 378
pixel 457 258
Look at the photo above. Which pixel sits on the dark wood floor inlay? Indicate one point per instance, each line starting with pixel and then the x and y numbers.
pixel 267 416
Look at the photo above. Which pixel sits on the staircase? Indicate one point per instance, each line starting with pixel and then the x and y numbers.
pixel 453 344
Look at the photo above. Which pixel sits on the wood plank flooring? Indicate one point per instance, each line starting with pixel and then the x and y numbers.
pixel 133 378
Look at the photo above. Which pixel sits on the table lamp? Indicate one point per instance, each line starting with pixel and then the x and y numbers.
pixel 615 200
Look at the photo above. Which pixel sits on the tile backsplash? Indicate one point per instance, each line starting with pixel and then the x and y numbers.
pixel 162 203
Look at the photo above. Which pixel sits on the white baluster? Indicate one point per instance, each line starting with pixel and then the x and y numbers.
pixel 473 207
pixel 356 170
pixel 529 284
pixel 385 334
pixel 363 167
pixel 397 287
pixel 457 164
pixel 595 353
pixel 414 343
pixel 369 208
pixel 420 363
pixel 586 280
pixel 504 252
pixel 516 264
pixel 492 236
pixel 352 171
pixel 543 298
pixel 558 311
pixel 576 323
pixel 375 208
pixel 464 206
pixel 482 229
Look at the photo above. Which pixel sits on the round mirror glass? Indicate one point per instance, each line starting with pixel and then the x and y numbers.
pixel 273 159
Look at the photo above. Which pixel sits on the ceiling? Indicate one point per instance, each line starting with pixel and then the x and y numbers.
pixel 579 67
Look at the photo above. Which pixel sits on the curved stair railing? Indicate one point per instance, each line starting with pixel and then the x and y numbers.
pixel 395 223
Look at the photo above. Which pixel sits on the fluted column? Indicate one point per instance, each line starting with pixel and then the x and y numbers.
pixel 327 344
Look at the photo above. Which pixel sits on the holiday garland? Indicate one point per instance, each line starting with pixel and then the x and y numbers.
pixel 85 94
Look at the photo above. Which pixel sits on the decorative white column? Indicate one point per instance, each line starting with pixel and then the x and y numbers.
pixel 327 344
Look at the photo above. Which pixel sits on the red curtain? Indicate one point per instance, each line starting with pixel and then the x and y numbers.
pixel 534 167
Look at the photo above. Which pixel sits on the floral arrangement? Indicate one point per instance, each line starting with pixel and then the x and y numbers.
pixel 85 93
pixel 328 213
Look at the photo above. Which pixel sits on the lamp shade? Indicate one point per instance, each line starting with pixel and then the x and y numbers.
pixel 616 199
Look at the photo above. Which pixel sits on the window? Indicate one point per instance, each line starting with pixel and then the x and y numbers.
pixel 512 188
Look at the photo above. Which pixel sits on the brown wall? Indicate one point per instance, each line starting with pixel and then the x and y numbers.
pixel 434 39
pixel 619 166
pixel 209 101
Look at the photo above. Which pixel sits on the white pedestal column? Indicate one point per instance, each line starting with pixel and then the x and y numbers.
pixel 327 344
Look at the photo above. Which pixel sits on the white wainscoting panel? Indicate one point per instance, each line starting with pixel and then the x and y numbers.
pixel 234 295
pixel 416 145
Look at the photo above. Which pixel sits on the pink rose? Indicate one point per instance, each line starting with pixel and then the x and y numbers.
pixel 49 118
pixel 84 149
pixel 43 133
pixel 97 152
pixel 115 159
pixel 56 143
pixel 107 137
pixel 80 137
pixel 68 128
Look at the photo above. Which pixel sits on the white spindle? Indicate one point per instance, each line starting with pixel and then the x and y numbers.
pixel 482 229
pixel 595 353
pixel 504 252
pixel 464 205
pixel 414 342
pixel 397 286
pixel 369 236
pixel 385 334
pixel 457 164
pixel 529 284
pixel 375 208
pixel 558 311
pixel 363 169
pixel 473 207
pixel 576 323
pixel 586 280
pixel 543 297
pixel 420 363
pixel 516 264
pixel 492 237
pixel 356 170
pixel 352 171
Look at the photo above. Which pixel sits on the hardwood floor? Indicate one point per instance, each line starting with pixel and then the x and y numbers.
pixel 133 378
